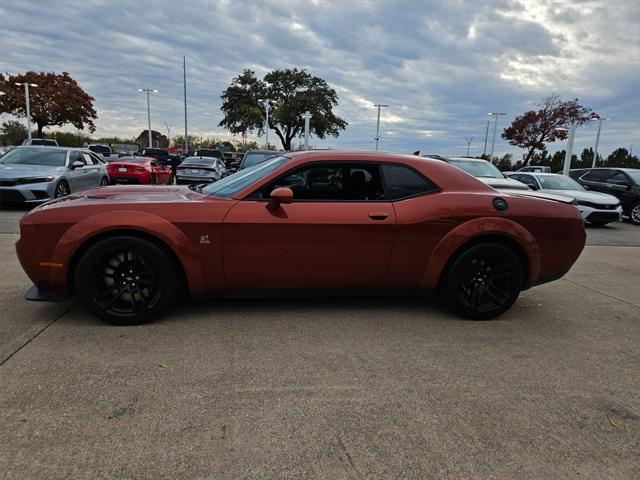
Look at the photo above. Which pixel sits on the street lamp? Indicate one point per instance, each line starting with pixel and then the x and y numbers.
pixel 469 140
pixel 26 86
pixel 566 166
pixel 148 91
pixel 495 128
pixel 168 134
pixel 379 105
pixel 266 102
pixel 307 117
pixel 595 150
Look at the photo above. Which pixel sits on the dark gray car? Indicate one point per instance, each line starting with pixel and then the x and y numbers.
pixel 38 174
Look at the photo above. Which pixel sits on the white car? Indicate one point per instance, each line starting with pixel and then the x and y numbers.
pixel 596 208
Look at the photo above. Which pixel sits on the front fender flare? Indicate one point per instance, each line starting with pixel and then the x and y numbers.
pixel 472 230
pixel 144 222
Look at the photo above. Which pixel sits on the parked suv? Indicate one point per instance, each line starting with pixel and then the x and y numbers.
pixel 623 183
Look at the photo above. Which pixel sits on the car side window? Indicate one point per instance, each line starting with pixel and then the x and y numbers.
pixel 528 180
pixel 596 176
pixel 87 159
pixel 618 178
pixel 330 182
pixel 75 156
pixel 403 182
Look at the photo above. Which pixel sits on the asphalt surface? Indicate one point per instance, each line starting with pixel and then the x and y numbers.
pixel 350 388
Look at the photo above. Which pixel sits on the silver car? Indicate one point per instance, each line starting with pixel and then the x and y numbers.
pixel 38 174
pixel 595 207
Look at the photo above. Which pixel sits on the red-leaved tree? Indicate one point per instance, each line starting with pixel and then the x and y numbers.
pixel 533 129
pixel 58 99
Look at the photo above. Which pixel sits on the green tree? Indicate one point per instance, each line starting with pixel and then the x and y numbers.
pixel 291 92
pixel 620 158
pixel 504 163
pixel 57 100
pixel 13 132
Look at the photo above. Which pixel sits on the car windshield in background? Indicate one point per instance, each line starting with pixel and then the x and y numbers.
pixel 100 149
pixel 208 153
pixel 255 158
pixel 199 161
pixel 478 169
pixel 44 142
pixel 35 156
pixel 558 182
pixel 635 175
pixel 133 160
pixel 231 185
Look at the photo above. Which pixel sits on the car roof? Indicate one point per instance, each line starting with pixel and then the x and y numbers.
pixel 56 147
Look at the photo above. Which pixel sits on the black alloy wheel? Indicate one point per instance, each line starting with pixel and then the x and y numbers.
pixel 634 214
pixel 126 280
pixel 104 181
pixel 62 189
pixel 484 281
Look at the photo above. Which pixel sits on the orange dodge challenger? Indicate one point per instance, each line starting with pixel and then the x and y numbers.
pixel 327 222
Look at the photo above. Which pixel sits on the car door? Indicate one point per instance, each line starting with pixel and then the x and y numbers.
pixel 77 177
pixel 595 180
pixel 337 233
pixel 94 170
pixel 619 184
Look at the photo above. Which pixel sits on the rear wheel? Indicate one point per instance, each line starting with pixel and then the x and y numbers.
pixel 104 182
pixel 634 214
pixel 126 280
pixel 484 281
pixel 62 189
pixel 152 180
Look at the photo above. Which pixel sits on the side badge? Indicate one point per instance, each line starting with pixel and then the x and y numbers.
pixel 204 239
pixel 500 204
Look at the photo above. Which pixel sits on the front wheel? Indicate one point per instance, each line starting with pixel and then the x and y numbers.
pixel 126 280
pixel 104 181
pixel 484 281
pixel 634 214
pixel 62 189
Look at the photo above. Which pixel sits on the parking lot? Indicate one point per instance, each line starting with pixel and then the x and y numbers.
pixel 348 388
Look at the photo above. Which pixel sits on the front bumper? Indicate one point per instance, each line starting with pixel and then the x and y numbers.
pixel 28 193
pixel 591 214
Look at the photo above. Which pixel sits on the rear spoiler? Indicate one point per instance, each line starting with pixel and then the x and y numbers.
pixel 544 196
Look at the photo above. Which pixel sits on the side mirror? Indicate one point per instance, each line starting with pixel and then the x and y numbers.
pixel 533 186
pixel 77 164
pixel 278 196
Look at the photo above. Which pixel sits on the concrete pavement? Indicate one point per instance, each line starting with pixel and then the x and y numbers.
pixel 349 388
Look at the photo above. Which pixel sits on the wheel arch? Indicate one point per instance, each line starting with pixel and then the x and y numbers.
pixel 482 230
pixel 150 227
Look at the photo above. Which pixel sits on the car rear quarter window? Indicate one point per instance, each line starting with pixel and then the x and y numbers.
pixel 403 182
pixel 595 176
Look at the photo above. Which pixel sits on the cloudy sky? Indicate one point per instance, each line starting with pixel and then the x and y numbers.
pixel 441 66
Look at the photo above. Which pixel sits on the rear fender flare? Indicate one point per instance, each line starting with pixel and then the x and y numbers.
pixel 472 230
pixel 143 222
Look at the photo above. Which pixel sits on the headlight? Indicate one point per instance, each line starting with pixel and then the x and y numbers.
pixel 24 181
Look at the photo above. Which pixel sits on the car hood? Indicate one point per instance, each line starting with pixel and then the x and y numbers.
pixel 582 196
pixel 503 183
pixel 13 171
pixel 126 195
pixel 538 194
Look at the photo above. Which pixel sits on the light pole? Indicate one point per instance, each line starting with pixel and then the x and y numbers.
pixel 379 105
pixel 566 166
pixel 186 134
pixel 307 118
pixel 168 134
pixel 486 136
pixel 148 91
pixel 495 128
pixel 595 150
pixel 266 102
pixel 26 86
pixel 469 140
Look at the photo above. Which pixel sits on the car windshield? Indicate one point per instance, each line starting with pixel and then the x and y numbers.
pixel 254 158
pixel 478 168
pixel 199 161
pixel 559 182
pixel 208 153
pixel 35 156
pixel 635 175
pixel 231 185
pixel 132 160
pixel 44 142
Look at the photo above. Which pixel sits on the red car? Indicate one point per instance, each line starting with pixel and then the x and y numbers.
pixel 323 222
pixel 143 170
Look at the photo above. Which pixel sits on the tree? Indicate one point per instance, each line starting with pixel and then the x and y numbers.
pixel 620 158
pixel 13 132
pixel 291 92
pixel 58 99
pixel 504 164
pixel 535 128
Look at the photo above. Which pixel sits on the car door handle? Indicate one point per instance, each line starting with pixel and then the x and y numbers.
pixel 378 215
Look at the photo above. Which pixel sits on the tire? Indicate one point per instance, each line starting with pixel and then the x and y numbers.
pixel 172 180
pixel 111 275
pixel 483 281
pixel 634 214
pixel 152 180
pixel 104 181
pixel 62 189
